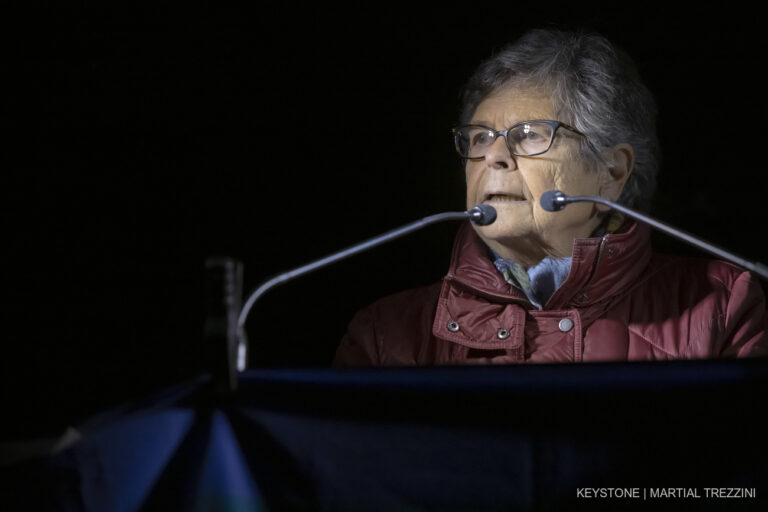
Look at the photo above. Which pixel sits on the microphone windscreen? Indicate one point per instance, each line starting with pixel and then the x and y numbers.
pixel 549 203
pixel 482 214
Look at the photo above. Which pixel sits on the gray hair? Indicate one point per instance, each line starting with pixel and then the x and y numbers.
pixel 595 87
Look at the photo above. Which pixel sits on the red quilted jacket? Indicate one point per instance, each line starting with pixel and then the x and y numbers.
pixel 620 302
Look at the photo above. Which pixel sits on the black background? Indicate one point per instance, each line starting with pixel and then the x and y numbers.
pixel 141 141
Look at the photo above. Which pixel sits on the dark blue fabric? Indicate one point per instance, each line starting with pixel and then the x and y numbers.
pixel 485 438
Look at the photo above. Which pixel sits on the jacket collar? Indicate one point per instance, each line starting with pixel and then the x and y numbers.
pixel 601 268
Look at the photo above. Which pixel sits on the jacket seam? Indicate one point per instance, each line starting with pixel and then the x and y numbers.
pixel 721 318
pixel 725 285
pixel 648 341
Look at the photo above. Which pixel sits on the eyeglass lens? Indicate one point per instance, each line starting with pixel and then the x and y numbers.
pixel 522 139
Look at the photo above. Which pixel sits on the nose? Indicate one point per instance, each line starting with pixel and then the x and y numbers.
pixel 499 157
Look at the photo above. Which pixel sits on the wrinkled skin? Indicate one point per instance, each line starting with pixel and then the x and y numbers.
pixel 524 231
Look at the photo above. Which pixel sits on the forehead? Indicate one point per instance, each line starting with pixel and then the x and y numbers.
pixel 510 105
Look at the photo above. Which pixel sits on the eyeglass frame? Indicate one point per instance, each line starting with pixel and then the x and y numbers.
pixel 553 124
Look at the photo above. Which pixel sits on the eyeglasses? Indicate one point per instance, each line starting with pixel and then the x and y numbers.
pixel 527 138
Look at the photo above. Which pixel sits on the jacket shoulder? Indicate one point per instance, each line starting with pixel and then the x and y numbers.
pixel 408 301
pixel 715 278
pixel 394 324
pixel 700 308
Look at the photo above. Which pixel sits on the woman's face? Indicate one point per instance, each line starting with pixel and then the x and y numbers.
pixel 513 185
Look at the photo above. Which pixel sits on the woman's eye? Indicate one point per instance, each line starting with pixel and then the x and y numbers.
pixel 527 135
pixel 481 138
pixel 532 135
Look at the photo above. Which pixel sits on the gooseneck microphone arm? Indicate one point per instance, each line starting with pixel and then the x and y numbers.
pixel 481 215
pixel 555 200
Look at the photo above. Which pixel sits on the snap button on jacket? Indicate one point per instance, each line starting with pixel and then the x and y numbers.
pixel 620 302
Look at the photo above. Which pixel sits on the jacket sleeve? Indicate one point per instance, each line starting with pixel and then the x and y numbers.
pixel 359 346
pixel 746 320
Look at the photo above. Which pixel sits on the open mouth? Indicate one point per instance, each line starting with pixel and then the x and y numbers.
pixel 503 198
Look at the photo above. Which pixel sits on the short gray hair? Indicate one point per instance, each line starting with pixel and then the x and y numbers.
pixel 595 87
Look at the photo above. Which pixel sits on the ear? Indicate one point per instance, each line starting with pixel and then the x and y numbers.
pixel 620 160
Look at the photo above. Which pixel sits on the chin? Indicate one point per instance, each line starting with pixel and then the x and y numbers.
pixel 500 233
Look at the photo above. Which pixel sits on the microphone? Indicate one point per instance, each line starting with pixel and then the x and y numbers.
pixel 555 200
pixel 481 215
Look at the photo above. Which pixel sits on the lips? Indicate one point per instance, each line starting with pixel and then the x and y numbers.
pixel 502 198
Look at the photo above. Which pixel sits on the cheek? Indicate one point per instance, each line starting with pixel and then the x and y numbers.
pixel 573 179
pixel 473 178
pixel 579 178
pixel 551 176
pixel 540 179
pixel 580 182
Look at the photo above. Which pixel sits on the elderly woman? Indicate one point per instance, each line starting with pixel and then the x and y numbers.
pixel 561 111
